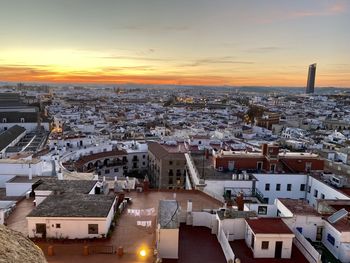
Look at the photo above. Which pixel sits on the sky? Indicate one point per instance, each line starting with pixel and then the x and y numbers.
pixel 185 42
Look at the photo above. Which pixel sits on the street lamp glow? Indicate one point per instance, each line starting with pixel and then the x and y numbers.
pixel 143 253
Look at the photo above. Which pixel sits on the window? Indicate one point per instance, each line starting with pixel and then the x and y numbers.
pixel 170 162
pixel 308 166
pixel 265 245
pixel 170 180
pixel 171 173
pixel 266 200
pixel 267 187
pixel 40 228
pixel 278 187
pixel 300 230
pixel 289 187
pixel 302 187
pixel 315 193
pixel 309 189
pixel 331 239
pixel 322 196
pixel 107 171
pixel 22 120
pixel 262 210
pixel 143 163
pixel 4 120
pixel 272 167
pixel 93 228
pixel 116 170
pixel 58 225
pixel 143 156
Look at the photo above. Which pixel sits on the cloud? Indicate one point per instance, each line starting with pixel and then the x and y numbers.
pixel 331 10
pixel 265 49
pixel 135 58
pixel 153 28
pixel 336 8
pixel 215 60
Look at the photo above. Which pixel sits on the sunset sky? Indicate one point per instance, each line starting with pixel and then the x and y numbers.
pixel 199 42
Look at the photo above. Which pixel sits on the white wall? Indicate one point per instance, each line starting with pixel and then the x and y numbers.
pixel 203 219
pixel 18 167
pixel 334 249
pixel 17 189
pixel 271 209
pixel 322 188
pixel 4 178
pixel 273 179
pixel 287 240
pixel 308 223
pixel 168 243
pixel 218 186
pixel 270 252
pixel 234 229
pixel 70 227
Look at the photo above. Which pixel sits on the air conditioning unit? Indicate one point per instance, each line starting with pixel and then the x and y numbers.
pixel 338 180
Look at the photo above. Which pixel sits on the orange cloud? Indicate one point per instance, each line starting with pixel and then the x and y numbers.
pixel 21 73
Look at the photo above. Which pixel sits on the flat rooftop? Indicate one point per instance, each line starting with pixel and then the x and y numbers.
pixel 298 207
pixel 235 214
pixel 268 226
pixel 198 244
pixel 245 254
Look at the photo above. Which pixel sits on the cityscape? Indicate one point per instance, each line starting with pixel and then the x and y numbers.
pixel 174 131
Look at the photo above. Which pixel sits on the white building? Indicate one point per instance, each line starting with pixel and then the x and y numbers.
pixel 269 238
pixel 167 233
pixel 71 216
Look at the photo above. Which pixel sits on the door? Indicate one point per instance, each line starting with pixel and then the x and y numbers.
pixel 278 249
pixel 319 233
pixel 259 166
pixel 231 165
pixel 41 229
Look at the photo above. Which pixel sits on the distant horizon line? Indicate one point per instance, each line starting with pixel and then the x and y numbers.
pixel 159 84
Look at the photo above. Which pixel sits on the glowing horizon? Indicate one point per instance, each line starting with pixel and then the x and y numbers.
pixel 221 43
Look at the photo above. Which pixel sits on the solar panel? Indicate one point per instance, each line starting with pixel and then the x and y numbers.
pixel 338 215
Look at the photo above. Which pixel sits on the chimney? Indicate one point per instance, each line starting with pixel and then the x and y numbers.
pixel 264 149
pixel 146 184
pixel 30 172
pixel 206 154
pixel 189 206
pixel 240 201
pixel 59 175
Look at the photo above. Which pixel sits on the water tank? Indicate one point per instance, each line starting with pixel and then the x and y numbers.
pixel 240 177
pixel 246 177
pixel 234 177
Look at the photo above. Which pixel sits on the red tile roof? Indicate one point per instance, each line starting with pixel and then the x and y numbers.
pixel 268 226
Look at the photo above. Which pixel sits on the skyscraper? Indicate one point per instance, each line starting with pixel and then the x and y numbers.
pixel 310 87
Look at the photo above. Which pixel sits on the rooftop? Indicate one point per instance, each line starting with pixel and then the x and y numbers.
pixel 268 226
pixel 63 186
pixel 235 214
pixel 10 135
pixel 168 214
pixel 74 205
pixel 298 207
pixel 245 254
